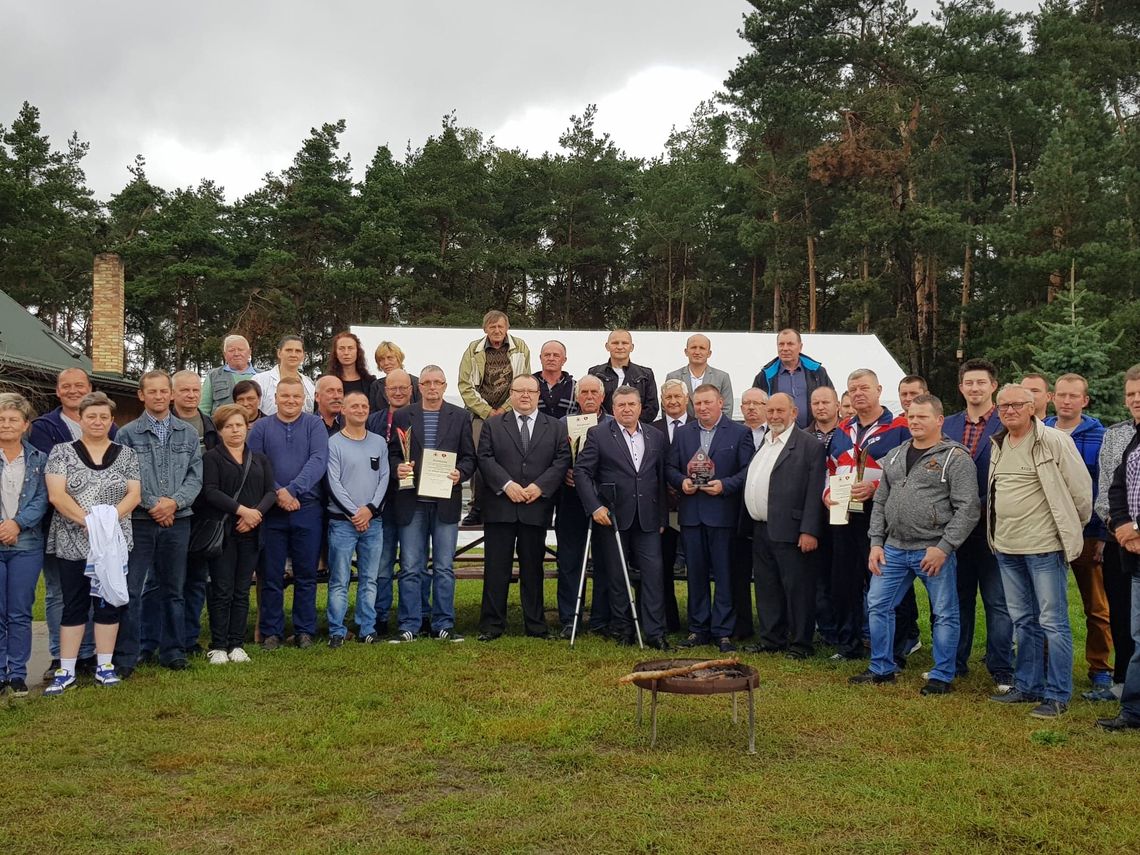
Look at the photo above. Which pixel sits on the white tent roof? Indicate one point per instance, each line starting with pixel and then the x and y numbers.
pixel 741 354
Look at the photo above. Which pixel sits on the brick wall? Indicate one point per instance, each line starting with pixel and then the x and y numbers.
pixel 107 314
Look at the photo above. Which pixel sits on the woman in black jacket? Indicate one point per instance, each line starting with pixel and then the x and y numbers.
pixel 241 507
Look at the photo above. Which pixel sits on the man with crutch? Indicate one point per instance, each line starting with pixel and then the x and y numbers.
pixel 620 477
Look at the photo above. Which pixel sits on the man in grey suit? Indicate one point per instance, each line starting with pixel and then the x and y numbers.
pixel 782 508
pixel 698 349
pixel 523 456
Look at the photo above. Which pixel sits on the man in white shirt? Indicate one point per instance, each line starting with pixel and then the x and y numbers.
pixel 781 500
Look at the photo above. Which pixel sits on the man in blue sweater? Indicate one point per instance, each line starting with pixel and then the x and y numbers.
pixel 977 566
pixel 1070 397
pixel 297 444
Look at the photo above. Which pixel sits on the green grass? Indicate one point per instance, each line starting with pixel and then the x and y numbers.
pixel 528 746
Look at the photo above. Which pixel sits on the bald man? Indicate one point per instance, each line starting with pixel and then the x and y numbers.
pixel 620 371
pixel 698 349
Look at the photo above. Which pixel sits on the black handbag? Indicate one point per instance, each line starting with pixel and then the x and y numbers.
pixel 208 536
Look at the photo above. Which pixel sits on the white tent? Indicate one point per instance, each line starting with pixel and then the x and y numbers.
pixel 740 354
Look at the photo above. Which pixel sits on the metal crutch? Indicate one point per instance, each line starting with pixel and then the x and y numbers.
pixel 580 603
pixel 628 587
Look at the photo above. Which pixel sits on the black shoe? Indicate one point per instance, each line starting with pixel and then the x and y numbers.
pixel 626 640
pixel 425 627
pixel 18 688
pixel 336 641
pixel 567 631
pixel 271 642
pixel 176 665
pixel 303 640
pixel 488 636
pixel 86 665
pixel 795 654
pixel 659 643
pixel 381 628
pixel 725 645
pixel 195 651
pixel 1015 696
pixel 871 677
pixel 369 638
pixel 545 636
pixel 473 519
pixel 694 640
pixel 146 658
pixel 1118 723
pixel 49 674
pixel 935 687
pixel 761 648
pixel 3 687
pixel 124 672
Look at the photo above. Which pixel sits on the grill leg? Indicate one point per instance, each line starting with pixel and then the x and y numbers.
pixel 653 716
pixel 639 691
pixel 751 723
pixel 734 717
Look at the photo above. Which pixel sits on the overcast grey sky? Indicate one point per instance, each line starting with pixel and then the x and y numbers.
pixel 227 89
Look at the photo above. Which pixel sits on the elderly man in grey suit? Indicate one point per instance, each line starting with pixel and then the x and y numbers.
pixel 784 516
pixel 698 349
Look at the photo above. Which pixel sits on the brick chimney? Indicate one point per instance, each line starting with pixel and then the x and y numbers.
pixel 107 314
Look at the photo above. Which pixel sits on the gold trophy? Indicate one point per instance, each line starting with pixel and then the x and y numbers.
pixel 860 464
pixel 405 436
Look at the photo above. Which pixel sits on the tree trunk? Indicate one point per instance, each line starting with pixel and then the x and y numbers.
pixel 776 287
pixel 812 313
pixel 669 263
pixel 967 284
pixel 752 304
pixel 1012 170
pixel 684 285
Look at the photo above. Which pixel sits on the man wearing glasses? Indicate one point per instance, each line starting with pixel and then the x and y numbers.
pixel 1040 497
pixel 523 458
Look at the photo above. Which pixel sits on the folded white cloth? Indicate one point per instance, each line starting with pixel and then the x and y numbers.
pixel 107 555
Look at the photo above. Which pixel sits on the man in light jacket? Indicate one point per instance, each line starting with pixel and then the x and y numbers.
pixel 925 508
pixel 1040 497
pixel 698 349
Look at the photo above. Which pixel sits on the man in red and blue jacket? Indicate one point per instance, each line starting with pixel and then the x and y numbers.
pixel 856 447
pixel 1070 397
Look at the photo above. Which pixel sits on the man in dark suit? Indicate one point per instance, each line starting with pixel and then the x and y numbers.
pixel 435 426
pixel 708 512
pixel 675 412
pixel 523 457
pixel 620 477
pixel 783 514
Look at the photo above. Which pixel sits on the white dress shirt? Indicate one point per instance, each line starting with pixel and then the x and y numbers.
pixel 760 475
pixel 635 442
pixel 681 419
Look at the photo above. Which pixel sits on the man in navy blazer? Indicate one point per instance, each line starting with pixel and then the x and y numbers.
pixel 709 514
pixel 523 458
pixel 438 426
pixel 620 478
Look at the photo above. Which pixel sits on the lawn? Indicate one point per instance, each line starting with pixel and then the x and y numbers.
pixel 529 746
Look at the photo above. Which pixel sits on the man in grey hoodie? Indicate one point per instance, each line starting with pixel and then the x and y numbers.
pixel 925 507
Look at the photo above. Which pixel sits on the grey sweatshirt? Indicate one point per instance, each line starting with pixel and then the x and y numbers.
pixel 935 505
pixel 358 473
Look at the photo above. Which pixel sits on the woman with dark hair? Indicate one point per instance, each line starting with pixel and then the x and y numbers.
pixel 346 361
pixel 83 476
pixel 237 489
pixel 23 502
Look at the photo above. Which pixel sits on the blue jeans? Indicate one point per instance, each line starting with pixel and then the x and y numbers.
pixel 296 536
pixel 197 577
pixel 1036 594
pixel 19 572
pixel 156 573
pixel 344 539
pixel 887 591
pixel 53 612
pixel 1130 698
pixel 426 526
pixel 387 570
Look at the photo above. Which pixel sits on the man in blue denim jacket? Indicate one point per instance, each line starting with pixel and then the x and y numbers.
pixel 23 503
pixel 170 464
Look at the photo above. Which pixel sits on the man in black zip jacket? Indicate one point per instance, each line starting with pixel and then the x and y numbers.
pixel 619 371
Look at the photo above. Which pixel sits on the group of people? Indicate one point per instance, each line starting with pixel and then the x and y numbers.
pixel 830 506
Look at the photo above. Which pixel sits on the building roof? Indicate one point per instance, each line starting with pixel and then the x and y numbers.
pixel 28 345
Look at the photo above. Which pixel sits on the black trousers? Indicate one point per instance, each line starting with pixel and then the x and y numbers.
pixel 227 596
pixel 824 614
pixel 643 554
pixel 1118 589
pixel 669 540
pixel 502 541
pixel 742 587
pixel 77 600
pixel 785 593
pixel 570 527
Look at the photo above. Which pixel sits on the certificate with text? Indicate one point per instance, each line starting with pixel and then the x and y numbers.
pixel 435 474
pixel 841 495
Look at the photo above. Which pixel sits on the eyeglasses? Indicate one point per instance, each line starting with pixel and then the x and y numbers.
pixel 1016 406
pixel 524 391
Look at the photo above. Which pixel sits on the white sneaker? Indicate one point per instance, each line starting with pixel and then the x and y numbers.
pixel 1004 688
pixel 217 657
pixel 1118 690
pixel 926 675
pixel 238 654
pixel 917 647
